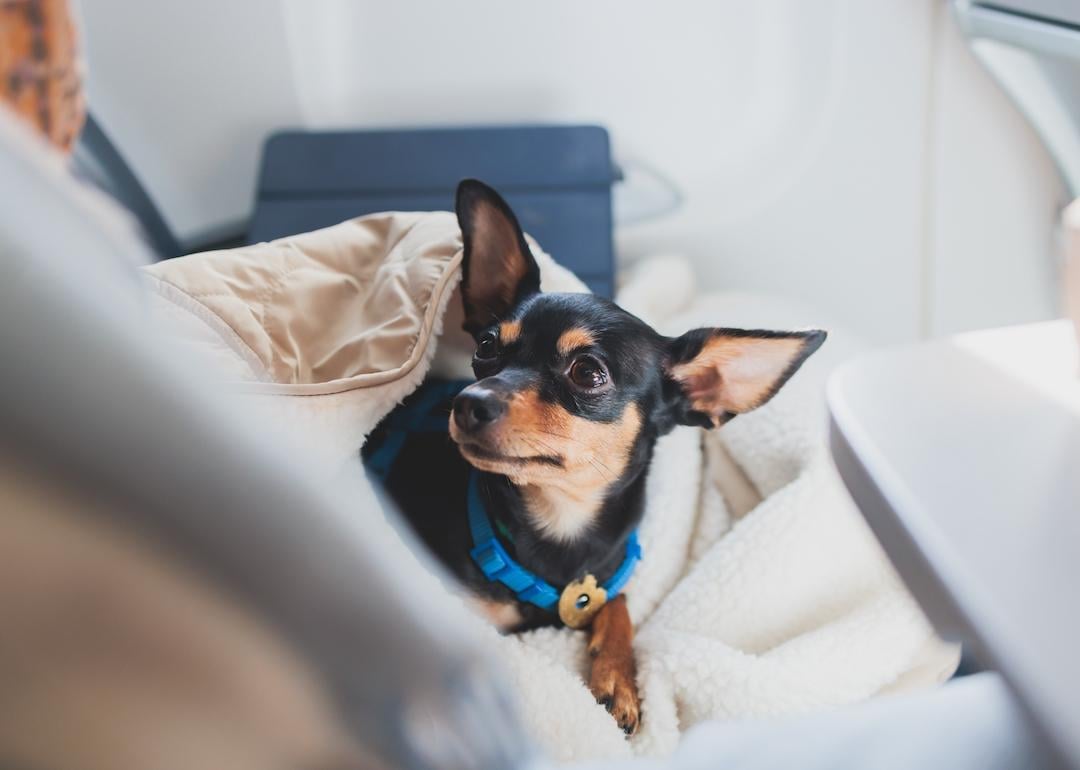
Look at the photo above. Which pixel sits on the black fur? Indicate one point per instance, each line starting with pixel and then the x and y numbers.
pixel 429 480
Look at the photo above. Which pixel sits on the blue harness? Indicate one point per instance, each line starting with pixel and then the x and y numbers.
pixel 419 415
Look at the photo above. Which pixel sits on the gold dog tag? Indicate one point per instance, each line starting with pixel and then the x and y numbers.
pixel 580 601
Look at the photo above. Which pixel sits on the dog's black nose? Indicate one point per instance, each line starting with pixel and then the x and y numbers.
pixel 475 409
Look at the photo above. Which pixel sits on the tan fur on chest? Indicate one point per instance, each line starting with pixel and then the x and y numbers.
pixel 562 513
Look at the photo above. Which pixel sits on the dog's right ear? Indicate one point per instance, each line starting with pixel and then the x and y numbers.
pixel 499 270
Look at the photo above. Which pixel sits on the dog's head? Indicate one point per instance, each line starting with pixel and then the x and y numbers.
pixel 571 389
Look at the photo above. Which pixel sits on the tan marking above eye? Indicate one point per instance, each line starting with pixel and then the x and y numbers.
pixel 509 331
pixel 572 339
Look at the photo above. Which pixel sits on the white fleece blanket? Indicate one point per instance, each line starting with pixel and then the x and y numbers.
pixel 761 591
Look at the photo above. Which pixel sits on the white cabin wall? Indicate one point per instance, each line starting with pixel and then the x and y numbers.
pixel 996 200
pixel 793 130
pixel 188 90
pixel 823 150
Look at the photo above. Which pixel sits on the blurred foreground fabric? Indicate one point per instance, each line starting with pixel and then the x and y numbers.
pixel 179 589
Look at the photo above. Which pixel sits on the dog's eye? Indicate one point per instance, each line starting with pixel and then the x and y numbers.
pixel 588 373
pixel 487 347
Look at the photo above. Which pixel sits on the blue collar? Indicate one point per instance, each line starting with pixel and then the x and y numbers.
pixel 497 565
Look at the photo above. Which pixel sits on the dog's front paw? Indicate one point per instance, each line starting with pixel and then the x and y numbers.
pixel 612 683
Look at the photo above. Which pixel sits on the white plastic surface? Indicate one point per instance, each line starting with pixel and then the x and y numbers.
pixel 964 455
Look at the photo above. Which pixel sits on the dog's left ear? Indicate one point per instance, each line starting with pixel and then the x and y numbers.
pixel 499 270
pixel 719 373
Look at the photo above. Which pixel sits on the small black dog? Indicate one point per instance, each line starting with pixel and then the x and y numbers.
pixel 552 443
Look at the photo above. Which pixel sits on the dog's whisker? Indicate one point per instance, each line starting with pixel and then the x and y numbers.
pixel 565 438
pixel 603 471
pixel 556 435
pixel 601 468
pixel 541 446
pixel 591 453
